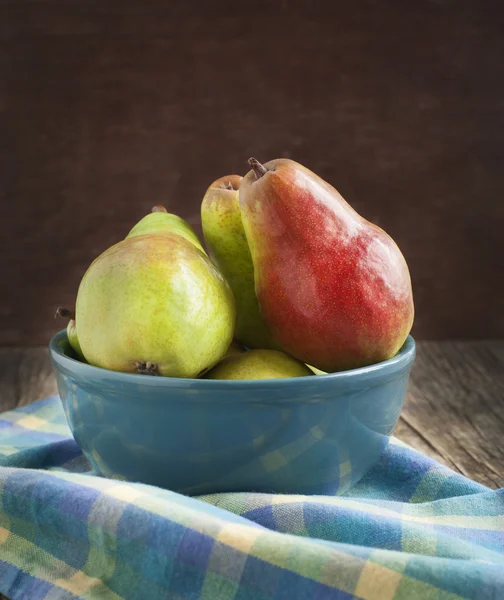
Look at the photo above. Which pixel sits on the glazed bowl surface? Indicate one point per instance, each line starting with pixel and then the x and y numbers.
pixel 306 435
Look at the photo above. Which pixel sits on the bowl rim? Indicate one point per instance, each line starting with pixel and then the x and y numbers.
pixel 396 365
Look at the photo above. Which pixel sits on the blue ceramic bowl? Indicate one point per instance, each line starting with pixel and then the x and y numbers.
pixel 309 435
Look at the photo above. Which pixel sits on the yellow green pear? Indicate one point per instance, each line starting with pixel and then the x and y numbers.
pixel 227 245
pixel 71 330
pixel 161 221
pixel 259 364
pixel 155 304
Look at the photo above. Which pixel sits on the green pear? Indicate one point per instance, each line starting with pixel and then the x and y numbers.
pixel 227 246
pixel 154 304
pixel 259 364
pixel 161 221
pixel 71 330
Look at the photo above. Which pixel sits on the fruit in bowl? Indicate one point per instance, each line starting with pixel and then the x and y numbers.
pixel 278 362
pixel 222 225
pixel 259 364
pixel 155 304
pixel 333 288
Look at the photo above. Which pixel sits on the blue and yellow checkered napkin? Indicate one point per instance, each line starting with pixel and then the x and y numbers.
pixel 410 529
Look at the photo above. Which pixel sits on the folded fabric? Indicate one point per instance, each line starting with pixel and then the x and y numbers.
pixel 409 529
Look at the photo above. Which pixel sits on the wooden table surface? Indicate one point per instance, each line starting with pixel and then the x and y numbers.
pixel 454 411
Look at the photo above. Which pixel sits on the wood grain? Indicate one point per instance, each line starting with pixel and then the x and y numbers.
pixel 109 108
pixel 454 411
pixel 26 375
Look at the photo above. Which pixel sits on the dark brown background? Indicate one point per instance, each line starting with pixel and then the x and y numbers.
pixel 107 108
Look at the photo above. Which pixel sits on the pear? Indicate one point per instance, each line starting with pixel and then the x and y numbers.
pixel 259 364
pixel 154 304
pixel 71 330
pixel 161 221
pixel 333 288
pixel 227 246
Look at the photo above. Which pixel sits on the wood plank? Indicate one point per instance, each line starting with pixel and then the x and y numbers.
pixel 107 108
pixel 456 407
pixel 454 410
pixel 26 375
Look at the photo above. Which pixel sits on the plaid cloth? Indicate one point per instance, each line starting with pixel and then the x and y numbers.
pixel 410 529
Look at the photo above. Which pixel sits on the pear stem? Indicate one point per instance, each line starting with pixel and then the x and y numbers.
pixel 257 167
pixel 158 208
pixel 65 313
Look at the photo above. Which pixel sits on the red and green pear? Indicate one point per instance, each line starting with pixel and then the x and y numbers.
pixel 333 288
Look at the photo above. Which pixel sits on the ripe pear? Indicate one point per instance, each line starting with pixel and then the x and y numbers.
pixel 227 246
pixel 161 221
pixel 71 330
pixel 154 304
pixel 333 288
pixel 259 364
